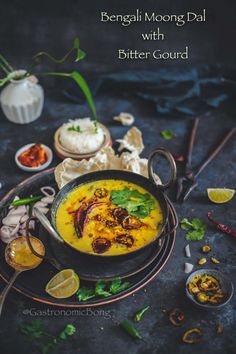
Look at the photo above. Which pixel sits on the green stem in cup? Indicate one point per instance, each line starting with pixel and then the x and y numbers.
pixel 78 78
pixel 75 75
pixel 6 67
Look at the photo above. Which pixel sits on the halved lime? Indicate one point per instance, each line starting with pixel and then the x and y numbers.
pixel 64 284
pixel 220 195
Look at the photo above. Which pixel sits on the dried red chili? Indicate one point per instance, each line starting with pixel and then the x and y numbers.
pixel 101 192
pixel 178 158
pixel 192 336
pixel 176 317
pixel 221 227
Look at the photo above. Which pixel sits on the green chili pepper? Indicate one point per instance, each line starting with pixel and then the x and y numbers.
pixel 140 313
pixel 25 201
pixel 130 328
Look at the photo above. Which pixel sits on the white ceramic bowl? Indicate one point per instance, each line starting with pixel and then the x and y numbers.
pixel 38 168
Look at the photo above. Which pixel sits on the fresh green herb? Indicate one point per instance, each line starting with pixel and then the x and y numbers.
pixel 117 285
pixel 95 124
pixel 167 134
pixel 25 201
pixel 130 329
pixel 136 203
pixel 100 289
pixel 49 347
pixel 195 229
pixel 103 289
pixel 140 313
pixel 76 129
pixel 68 331
pixel 85 293
pixel 34 330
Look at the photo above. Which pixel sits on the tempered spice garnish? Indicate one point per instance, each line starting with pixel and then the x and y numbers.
pixel 206 289
pixel 221 227
pixel 192 336
pixel 176 317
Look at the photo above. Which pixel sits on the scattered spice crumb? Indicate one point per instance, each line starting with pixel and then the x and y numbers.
pixel 206 249
pixel 176 317
pixel 215 260
pixel 219 328
pixel 202 261
pixel 192 336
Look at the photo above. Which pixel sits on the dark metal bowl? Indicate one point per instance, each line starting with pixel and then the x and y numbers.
pixel 149 184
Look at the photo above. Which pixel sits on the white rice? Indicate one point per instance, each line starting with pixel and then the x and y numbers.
pixel 86 141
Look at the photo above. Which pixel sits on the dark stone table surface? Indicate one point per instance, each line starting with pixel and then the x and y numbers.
pixel 97 330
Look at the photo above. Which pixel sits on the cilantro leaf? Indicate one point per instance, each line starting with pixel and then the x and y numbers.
pixel 33 329
pixel 48 348
pixel 68 331
pixel 195 229
pixel 195 235
pixel 117 285
pixel 136 203
pixel 198 224
pixel 167 134
pixel 100 289
pixel 185 224
pixel 76 129
pixel 85 294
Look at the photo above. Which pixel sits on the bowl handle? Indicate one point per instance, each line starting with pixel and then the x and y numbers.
pixel 47 225
pixel 169 157
pixel 52 260
pixel 175 224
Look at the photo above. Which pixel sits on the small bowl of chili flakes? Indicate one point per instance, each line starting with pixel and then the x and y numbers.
pixel 209 288
pixel 33 157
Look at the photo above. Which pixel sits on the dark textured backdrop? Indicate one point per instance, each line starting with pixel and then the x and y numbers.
pixel 29 26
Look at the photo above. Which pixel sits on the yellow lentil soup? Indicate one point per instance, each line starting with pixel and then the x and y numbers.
pixel 109 217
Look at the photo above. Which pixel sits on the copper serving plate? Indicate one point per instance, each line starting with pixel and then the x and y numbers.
pixel 32 284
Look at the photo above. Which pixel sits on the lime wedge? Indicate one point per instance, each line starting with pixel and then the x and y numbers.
pixel 220 195
pixel 63 285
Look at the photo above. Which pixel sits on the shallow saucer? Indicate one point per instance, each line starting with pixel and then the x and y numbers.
pixel 38 168
pixel 225 283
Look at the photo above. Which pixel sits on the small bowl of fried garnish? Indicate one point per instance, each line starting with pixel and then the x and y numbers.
pixel 209 288
pixel 33 157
